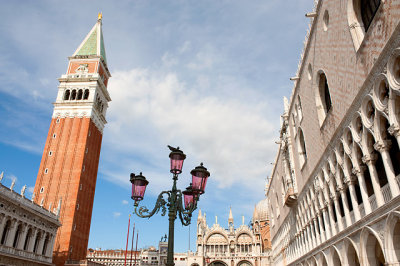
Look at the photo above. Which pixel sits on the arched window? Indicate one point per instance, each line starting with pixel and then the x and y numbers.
pixel 322 97
pixel 360 14
pixel 46 243
pixel 17 236
pixel 66 95
pixel 35 246
pixel 324 92
pixel 28 238
pixel 80 93
pixel 300 110
pixel 301 147
pixel 5 232
pixel 368 10
pixel 86 94
pixel 73 95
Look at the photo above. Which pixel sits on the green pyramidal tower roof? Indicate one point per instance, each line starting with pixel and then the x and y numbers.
pixel 93 44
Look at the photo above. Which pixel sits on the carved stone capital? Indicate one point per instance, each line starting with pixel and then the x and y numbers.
pixel 340 189
pixel 370 158
pixel 359 170
pixel 394 130
pixel 356 171
pixel 382 145
pixel 350 180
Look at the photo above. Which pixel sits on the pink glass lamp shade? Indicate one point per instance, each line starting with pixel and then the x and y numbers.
pixel 139 184
pixel 199 178
pixel 189 197
pixel 177 157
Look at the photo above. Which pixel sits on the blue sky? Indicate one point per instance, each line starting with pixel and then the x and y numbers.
pixel 208 76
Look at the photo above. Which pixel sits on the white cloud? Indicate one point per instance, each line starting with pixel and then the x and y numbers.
pixel 152 109
pixel 204 59
pixel 116 214
pixel 30 189
pixel 169 60
pixel 125 202
pixel 186 46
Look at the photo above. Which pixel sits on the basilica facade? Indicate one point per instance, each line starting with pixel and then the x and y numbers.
pixel 334 190
pixel 230 246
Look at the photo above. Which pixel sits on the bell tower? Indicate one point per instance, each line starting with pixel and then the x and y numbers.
pixel 66 180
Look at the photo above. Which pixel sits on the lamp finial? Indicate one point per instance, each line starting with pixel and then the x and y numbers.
pixel 100 16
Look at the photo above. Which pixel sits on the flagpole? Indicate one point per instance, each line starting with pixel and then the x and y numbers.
pixel 127 238
pixel 133 236
pixel 137 237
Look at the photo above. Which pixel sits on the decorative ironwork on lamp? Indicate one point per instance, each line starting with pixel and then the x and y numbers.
pixel 173 197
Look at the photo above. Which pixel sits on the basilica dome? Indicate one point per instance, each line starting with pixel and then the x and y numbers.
pixel 261 210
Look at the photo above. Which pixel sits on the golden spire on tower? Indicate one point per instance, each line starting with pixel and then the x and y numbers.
pixel 100 16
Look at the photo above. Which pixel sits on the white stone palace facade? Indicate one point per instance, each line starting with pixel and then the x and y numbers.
pixel 218 246
pixel 334 190
pixel 27 230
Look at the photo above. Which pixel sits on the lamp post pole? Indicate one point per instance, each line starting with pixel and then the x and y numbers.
pixel 173 197
pixel 171 218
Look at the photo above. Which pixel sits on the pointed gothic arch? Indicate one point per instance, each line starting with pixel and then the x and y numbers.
pixel 360 14
pixel 392 236
pixel 336 258
pixel 372 250
pixel 323 99
pixel 301 147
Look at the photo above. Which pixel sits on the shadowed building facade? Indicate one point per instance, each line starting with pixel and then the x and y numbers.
pixel 68 170
pixel 334 192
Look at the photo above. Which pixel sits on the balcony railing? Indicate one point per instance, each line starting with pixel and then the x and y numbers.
pixel 352 218
pixel 362 209
pixel 387 194
pixel 24 254
pixel 372 201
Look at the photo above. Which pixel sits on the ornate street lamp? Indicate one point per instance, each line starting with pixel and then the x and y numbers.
pixel 173 197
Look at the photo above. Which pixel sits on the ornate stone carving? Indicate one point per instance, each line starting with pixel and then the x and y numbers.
pixel 383 145
pixel 394 130
pixel 370 158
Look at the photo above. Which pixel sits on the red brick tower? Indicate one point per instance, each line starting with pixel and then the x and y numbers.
pixel 68 171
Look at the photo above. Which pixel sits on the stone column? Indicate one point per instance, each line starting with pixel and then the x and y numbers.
pixel 11 234
pixel 303 234
pixel 32 240
pixel 317 236
pixel 370 160
pixel 50 247
pixel 298 246
pixel 321 228
pixel 22 237
pixel 3 220
pixel 313 234
pixel 309 237
pixel 312 216
pixel 353 196
pixel 383 147
pixel 41 243
pixel 363 187
pixel 332 222
pixel 326 221
pixel 338 215
pixel 345 207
